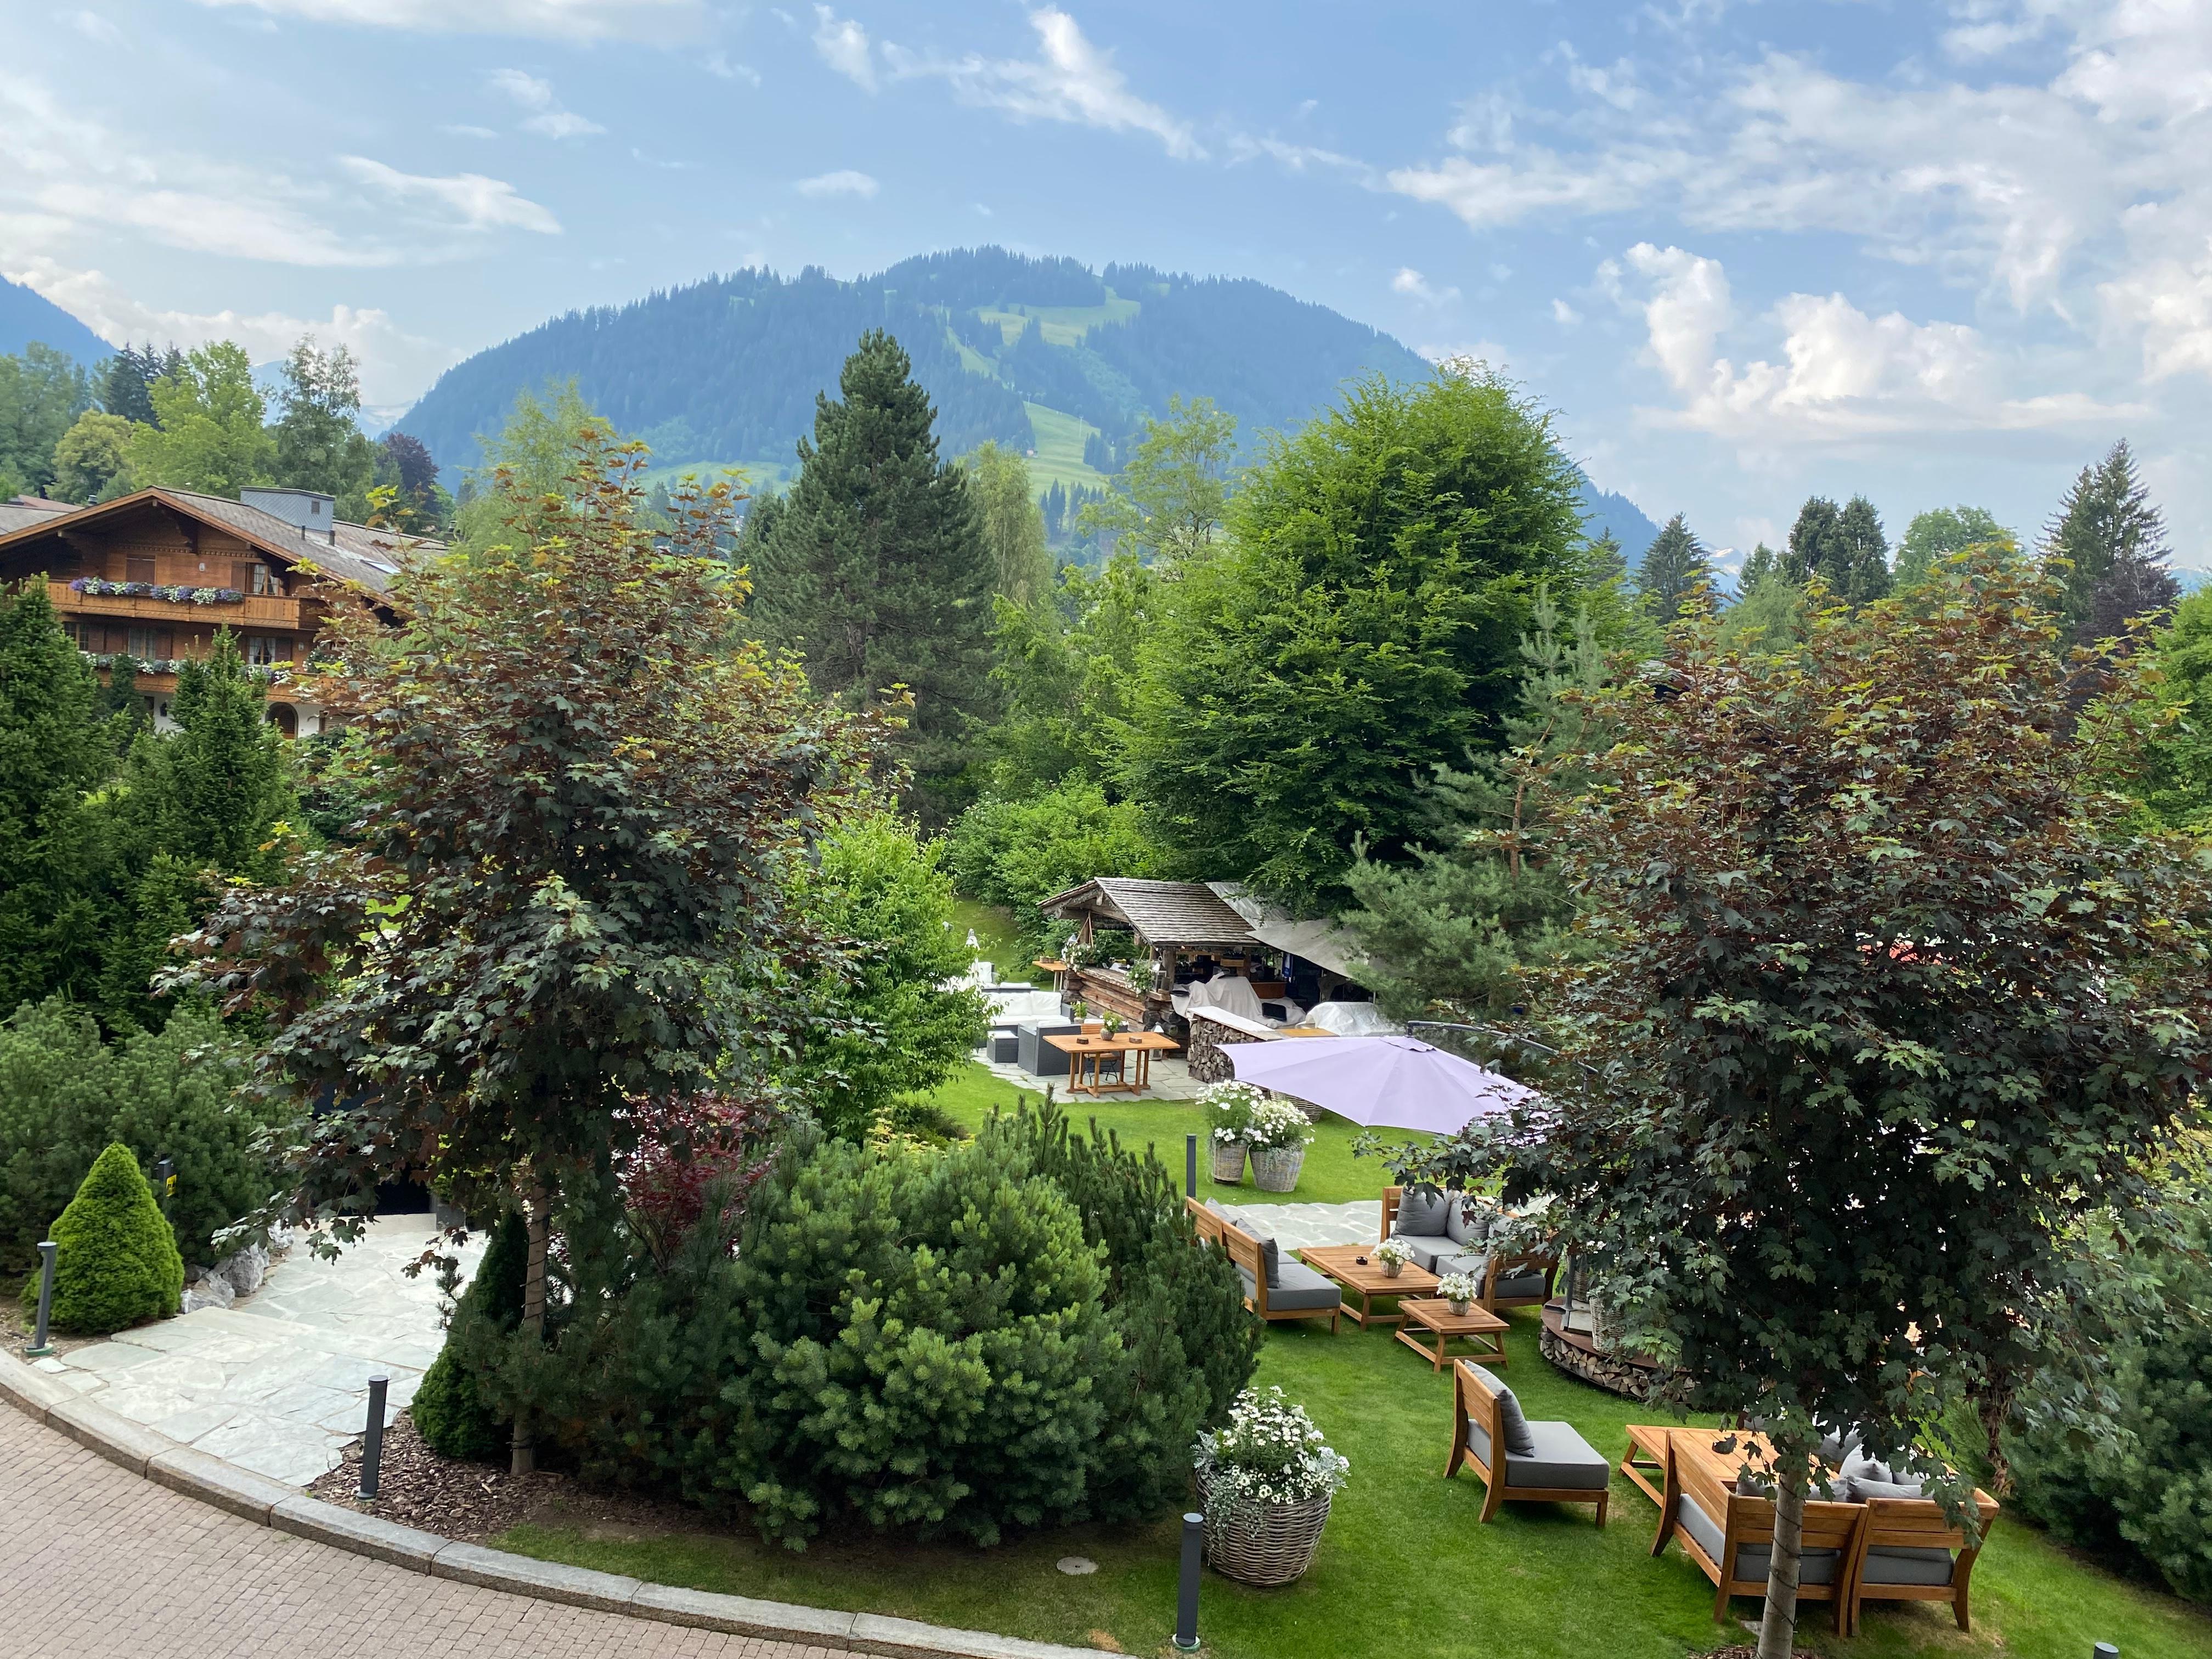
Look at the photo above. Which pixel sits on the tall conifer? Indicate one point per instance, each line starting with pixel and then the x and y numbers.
pixel 1673 573
pixel 875 567
pixel 2113 540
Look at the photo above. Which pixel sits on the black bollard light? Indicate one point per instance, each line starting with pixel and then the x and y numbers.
pixel 1194 1536
pixel 165 1181
pixel 1190 1166
pixel 371 1440
pixel 40 1347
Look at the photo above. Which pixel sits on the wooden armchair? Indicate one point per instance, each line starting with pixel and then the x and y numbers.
pixel 1564 1469
pixel 1908 1551
pixel 1512 1270
pixel 1302 1293
pixel 1730 1535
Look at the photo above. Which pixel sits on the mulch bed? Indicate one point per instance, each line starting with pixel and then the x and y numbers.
pixel 472 1502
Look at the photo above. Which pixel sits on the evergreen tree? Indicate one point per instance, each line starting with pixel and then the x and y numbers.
pixel 1013 527
pixel 319 446
pixel 52 751
pixel 2113 540
pixel 1936 534
pixel 875 567
pixel 1763 563
pixel 1609 562
pixel 207 434
pixel 1674 574
pixel 1815 543
pixel 1843 546
pixel 127 378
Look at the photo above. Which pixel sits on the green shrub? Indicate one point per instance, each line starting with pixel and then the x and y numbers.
pixel 1018 853
pixel 1189 1344
pixel 926 1331
pixel 117 1265
pixel 173 1093
pixel 452 1410
pixel 2144 1492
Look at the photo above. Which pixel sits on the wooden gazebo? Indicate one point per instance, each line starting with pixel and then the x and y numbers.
pixel 1168 921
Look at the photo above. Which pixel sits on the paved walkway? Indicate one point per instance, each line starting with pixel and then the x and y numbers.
pixel 279 1382
pixel 97 1564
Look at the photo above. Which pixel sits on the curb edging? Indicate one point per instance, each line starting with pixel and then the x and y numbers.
pixel 196 1474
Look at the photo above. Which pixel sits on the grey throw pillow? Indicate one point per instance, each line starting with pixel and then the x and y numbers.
pixel 1270 1252
pixel 1513 1424
pixel 1862 1489
pixel 1420 1215
pixel 1467 1221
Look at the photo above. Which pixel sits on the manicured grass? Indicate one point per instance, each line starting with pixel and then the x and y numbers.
pixel 1405 1570
pixel 997 940
pixel 1330 1175
pixel 1059 457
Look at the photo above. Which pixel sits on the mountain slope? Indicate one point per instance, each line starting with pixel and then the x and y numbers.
pixel 26 315
pixel 728 368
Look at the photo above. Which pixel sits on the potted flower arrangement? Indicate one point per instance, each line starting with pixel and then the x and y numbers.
pixel 1229 1107
pixel 1265 1480
pixel 1112 1023
pixel 1460 1290
pixel 1279 1135
pixel 1393 1254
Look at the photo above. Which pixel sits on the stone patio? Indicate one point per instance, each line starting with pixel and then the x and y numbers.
pixel 279 1382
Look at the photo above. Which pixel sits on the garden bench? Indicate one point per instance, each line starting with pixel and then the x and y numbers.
pixel 1909 1551
pixel 1562 1468
pixel 1730 1533
pixel 1298 1292
pixel 1445 1241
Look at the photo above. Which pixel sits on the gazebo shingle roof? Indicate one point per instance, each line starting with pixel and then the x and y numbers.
pixel 1162 912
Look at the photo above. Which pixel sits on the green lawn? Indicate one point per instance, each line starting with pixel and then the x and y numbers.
pixel 1405 1570
pixel 997 941
pixel 1331 1175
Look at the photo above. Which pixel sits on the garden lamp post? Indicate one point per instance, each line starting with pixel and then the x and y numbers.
pixel 40 1347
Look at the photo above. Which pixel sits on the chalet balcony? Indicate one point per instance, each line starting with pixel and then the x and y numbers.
pixel 271 611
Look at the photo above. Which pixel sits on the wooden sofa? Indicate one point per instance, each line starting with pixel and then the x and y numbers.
pixel 1900 1549
pixel 1521 1279
pixel 1566 1469
pixel 1302 1294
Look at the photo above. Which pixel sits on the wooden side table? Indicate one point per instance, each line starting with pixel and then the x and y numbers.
pixel 1483 1331
pixel 1366 1279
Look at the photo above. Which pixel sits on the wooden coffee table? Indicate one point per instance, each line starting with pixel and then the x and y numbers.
pixel 1367 1281
pixel 1483 1331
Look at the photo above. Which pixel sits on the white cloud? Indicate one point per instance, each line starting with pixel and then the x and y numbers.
pixel 2171 302
pixel 1071 80
pixel 719 65
pixel 547 117
pixel 559 19
pixel 1409 281
pixel 1565 315
pixel 844 182
pixel 93 27
pixel 1843 376
pixel 461 130
pixel 468 201
pixel 843 45
pixel 1296 158
pixel 396 365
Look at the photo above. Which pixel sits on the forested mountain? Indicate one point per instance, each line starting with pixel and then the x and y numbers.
pixel 26 315
pixel 727 369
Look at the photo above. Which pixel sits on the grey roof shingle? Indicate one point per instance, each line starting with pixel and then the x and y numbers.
pixel 1162 912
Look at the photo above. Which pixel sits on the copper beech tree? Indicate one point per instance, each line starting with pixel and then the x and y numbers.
pixel 1892 1007
pixel 581 785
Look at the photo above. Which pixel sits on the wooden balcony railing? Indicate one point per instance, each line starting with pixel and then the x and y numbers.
pixel 257 611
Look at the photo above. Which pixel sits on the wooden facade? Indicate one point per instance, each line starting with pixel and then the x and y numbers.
pixel 154 575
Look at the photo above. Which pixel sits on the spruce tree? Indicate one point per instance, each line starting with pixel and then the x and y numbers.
pixel 875 567
pixel 1672 573
pixel 54 748
pixel 1763 563
pixel 1843 546
pixel 2113 540
pixel 1815 542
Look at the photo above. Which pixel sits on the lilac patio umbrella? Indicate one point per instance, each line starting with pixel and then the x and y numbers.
pixel 1384 1082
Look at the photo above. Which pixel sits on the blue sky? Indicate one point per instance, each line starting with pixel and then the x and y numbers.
pixel 1935 253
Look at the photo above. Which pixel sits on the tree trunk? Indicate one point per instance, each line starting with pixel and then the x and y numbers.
pixel 1778 1629
pixel 523 1453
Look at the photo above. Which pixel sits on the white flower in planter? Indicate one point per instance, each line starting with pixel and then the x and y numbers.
pixel 1393 1253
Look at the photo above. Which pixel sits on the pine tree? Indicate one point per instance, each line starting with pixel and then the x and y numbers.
pixel 52 749
pixel 1815 542
pixel 2114 542
pixel 1672 575
pixel 1843 546
pixel 874 566
pixel 1763 563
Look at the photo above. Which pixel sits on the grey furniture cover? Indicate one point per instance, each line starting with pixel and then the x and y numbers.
pixel 1036 1056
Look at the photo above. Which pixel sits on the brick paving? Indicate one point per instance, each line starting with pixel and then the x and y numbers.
pixel 97 1564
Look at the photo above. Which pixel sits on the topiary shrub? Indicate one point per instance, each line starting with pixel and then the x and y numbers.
pixel 117 1265
pixel 452 1410
pixel 927 1333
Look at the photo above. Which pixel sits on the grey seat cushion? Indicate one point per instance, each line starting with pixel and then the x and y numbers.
pixel 1428 1249
pixel 1861 1488
pixel 1563 1459
pixel 1519 1284
pixel 1420 1215
pixel 1473 1266
pixel 1302 1289
pixel 1752 1562
pixel 1906 1565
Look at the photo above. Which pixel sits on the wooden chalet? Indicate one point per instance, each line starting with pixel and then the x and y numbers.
pixel 152 575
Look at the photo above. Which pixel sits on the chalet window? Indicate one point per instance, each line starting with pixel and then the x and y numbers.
pixel 138 568
pixel 263 580
pixel 141 644
pixel 264 651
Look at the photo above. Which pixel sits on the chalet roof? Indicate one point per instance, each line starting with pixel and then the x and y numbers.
pixel 29 510
pixel 356 553
pixel 1163 912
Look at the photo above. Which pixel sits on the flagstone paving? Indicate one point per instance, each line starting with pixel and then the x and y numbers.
pixel 96 1563
pixel 279 1382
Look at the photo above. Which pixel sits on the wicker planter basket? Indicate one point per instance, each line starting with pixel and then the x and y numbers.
pixel 1275 1169
pixel 1229 1162
pixel 1262 1543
